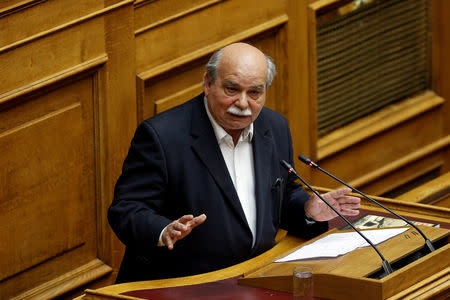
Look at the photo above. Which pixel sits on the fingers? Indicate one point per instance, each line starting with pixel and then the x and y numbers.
pixel 341 197
pixel 349 212
pixel 349 200
pixel 167 239
pixel 170 235
pixel 349 206
pixel 186 218
pixel 344 204
pixel 197 221
pixel 180 228
pixel 339 192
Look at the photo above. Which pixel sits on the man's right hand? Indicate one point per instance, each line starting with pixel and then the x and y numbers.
pixel 180 228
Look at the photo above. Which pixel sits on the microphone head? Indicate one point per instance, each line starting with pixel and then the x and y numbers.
pixel 285 164
pixel 304 159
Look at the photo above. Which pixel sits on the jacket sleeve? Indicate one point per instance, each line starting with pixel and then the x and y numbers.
pixel 293 211
pixel 136 213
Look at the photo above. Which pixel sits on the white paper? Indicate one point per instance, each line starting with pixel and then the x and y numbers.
pixel 336 244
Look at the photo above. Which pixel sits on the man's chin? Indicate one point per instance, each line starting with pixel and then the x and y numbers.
pixel 238 123
pixel 236 127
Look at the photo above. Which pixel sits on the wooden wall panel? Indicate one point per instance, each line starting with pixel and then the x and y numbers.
pixel 150 13
pixel 78 76
pixel 117 120
pixel 56 149
pixel 27 15
pixel 435 192
pixel 441 62
pixel 48 184
pixel 62 149
pixel 37 60
pixel 360 165
pixel 179 38
pixel 273 43
pixel 385 144
pixel 172 88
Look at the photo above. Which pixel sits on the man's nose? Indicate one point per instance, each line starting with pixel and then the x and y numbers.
pixel 242 101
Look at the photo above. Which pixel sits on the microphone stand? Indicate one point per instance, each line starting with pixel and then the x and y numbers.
pixel 386 266
pixel 312 164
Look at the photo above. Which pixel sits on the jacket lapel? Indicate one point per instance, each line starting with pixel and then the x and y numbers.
pixel 207 149
pixel 263 151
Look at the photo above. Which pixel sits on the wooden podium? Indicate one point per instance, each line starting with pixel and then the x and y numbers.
pixel 344 277
pixel 358 272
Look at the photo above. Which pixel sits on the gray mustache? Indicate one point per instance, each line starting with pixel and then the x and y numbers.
pixel 239 112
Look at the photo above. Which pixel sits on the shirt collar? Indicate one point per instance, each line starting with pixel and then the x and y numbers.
pixel 246 135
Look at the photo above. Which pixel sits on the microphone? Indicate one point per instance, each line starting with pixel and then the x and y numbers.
pixel 312 164
pixel 386 266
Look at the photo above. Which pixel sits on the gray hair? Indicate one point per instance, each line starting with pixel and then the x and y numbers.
pixel 213 64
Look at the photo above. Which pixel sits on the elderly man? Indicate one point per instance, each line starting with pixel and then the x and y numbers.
pixel 197 189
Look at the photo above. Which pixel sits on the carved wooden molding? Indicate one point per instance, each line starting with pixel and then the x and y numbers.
pixel 160 69
pixel 65 26
pixel 404 161
pixel 139 3
pixel 435 285
pixel 71 280
pixel 38 120
pixel 19 6
pixel 375 123
pixel 52 79
pixel 429 192
pixel 175 16
pixel 96 295
pixel 177 98
pixel 140 99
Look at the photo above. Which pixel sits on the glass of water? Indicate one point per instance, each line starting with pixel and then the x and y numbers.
pixel 303 283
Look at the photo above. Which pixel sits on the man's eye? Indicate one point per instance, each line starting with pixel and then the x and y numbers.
pixel 230 89
pixel 255 94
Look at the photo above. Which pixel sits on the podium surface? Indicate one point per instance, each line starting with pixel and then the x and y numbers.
pixel 425 278
pixel 360 271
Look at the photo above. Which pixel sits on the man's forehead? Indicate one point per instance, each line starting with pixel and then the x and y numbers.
pixel 243 76
pixel 251 65
pixel 237 84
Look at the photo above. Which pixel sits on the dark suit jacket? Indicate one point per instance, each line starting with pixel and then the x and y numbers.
pixel 175 167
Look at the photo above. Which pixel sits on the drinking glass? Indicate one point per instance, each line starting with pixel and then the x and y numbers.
pixel 303 283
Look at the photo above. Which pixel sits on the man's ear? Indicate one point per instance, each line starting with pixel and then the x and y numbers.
pixel 207 84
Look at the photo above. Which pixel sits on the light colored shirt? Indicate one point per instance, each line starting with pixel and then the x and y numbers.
pixel 239 161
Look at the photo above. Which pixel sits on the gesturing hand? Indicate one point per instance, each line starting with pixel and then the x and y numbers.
pixel 346 205
pixel 180 228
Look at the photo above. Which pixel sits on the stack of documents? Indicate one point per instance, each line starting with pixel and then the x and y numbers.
pixel 336 244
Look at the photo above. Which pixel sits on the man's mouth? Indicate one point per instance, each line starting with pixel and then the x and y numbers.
pixel 235 111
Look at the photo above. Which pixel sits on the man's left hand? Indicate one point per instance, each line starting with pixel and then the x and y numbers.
pixel 320 211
